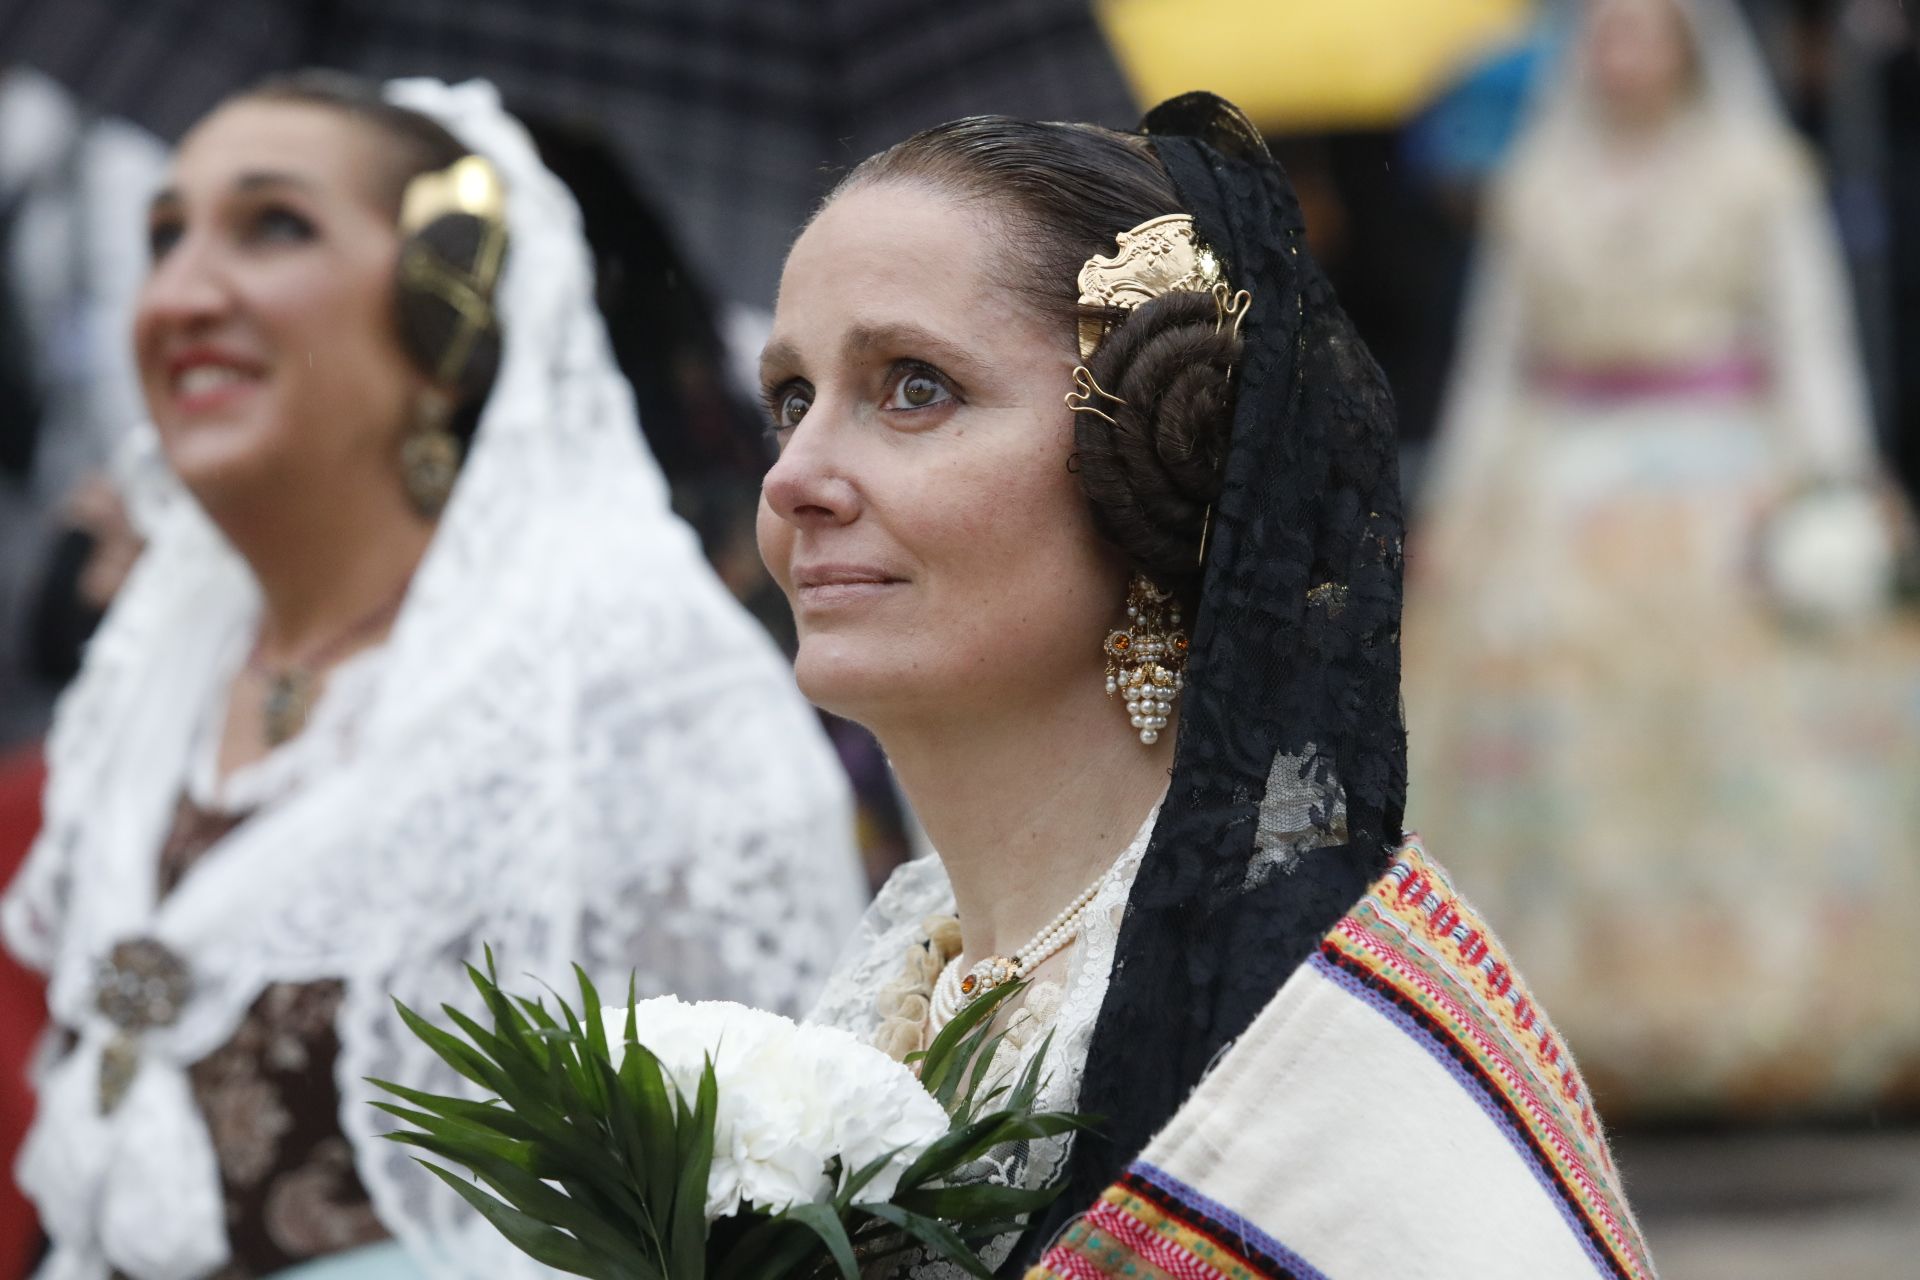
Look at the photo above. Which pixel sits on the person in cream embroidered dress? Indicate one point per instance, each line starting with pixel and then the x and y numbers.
pixel 1661 702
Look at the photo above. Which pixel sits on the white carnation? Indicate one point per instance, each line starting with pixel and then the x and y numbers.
pixel 792 1098
pixel 1829 556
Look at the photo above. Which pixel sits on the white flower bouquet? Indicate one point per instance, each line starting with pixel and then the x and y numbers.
pixel 1830 555
pixel 660 1140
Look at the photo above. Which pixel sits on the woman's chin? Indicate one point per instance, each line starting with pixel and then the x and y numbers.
pixel 218 463
pixel 848 679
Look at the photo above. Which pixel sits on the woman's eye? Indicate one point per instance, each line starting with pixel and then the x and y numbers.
pixel 789 407
pixel 918 390
pixel 282 224
pixel 162 236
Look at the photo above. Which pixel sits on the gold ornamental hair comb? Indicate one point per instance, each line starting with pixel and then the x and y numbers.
pixel 470 186
pixel 1159 256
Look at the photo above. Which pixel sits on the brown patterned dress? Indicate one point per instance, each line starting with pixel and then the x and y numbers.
pixel 272 1107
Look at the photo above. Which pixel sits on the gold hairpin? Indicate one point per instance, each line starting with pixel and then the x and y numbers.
pixel 1080 399
pixel 1233 307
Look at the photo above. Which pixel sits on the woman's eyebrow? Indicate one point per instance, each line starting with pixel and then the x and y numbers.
pixel 906 336
pixel 779 358
pixel 254 179
pixel 902 337
pixel 250 181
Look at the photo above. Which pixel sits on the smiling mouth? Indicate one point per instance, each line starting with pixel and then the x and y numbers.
pixel 207 385
pixel 205 379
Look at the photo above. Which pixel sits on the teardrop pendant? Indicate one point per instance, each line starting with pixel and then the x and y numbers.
pixel 289 699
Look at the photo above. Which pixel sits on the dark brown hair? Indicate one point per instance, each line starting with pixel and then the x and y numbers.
pixel 1063 192
pixel 411 144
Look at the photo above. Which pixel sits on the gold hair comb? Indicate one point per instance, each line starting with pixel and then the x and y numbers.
pixel 470 186
pixel 1159 256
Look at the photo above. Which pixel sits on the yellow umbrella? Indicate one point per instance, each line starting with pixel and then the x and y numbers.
pixel 1306 64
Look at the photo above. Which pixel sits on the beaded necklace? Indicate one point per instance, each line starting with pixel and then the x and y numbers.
pixel 954 991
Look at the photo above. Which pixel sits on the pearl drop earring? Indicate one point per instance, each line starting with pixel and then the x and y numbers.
pixel 1147 662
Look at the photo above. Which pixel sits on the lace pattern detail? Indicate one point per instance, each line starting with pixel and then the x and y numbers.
pixel 1066 1008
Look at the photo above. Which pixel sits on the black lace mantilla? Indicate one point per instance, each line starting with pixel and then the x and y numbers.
pixel 1289 774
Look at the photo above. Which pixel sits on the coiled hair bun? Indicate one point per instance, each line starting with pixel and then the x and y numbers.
pixel 1152 472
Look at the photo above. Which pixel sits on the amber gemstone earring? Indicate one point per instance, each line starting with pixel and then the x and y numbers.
pixel 1147 661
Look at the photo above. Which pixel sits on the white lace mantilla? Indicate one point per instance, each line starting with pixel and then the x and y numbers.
pixel 574 746
pixel 896 925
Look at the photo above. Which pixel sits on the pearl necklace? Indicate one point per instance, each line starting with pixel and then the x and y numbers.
pixel 953 992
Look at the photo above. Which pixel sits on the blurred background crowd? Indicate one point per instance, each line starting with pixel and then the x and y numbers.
pixel 1645 279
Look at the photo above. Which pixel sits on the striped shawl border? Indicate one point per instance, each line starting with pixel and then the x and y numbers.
pixel 1413 947
pixel 1461 1063
pixel 1158 1220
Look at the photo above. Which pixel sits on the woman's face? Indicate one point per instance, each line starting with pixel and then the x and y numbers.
pixel 1639 57
pixel 265 333
pixel 938 554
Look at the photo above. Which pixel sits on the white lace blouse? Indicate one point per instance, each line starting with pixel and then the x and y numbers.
pixel 916 901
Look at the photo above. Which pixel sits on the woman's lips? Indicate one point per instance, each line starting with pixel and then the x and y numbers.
pixel 831 586
pixel 211 399
pixel 834 594
pixel 206 382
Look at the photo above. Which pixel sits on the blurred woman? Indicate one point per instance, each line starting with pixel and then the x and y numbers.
pixel 1658 701
pixel 417 661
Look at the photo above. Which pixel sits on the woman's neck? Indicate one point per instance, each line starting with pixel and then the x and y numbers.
pixel 1027 805
pixel 325 566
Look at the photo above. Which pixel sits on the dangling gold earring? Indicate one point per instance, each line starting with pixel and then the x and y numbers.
pixel 1147 662
pixel 430 456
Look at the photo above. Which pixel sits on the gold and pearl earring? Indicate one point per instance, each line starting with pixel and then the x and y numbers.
pixel 1147 660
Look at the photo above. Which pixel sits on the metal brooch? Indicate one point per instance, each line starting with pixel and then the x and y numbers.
pixel 139 986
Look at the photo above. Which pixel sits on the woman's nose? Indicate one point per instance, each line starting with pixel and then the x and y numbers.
pixel 809 483
pixel 188 286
